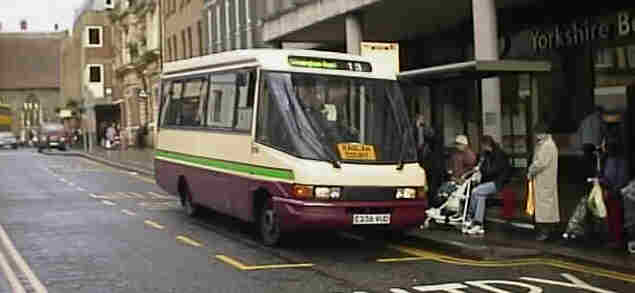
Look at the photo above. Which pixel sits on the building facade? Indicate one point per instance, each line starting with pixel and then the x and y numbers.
pixel 182 29
pixel 88 71
pixel 137 67
pixel 30 77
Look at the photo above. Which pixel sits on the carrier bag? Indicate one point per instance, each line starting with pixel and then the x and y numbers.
pixel 596 202
pixel 577 222
pixel 530 208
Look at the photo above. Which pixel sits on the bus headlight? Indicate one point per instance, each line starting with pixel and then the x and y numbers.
pixel 406 193
pixel 328 192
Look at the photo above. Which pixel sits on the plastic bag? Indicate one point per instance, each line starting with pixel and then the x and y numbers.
pixel 531 197
pixel 577 223
pixel 596 202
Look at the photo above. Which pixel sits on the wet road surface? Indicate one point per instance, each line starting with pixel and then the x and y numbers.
pixel 83 227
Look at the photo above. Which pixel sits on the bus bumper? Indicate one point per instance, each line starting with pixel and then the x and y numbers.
pixel 297 215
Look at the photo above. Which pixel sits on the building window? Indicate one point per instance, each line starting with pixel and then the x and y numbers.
pixel 199 30
pixel 218 30
pixel 169 45
pixel 189 41
pixel 228 45
pixel 237 28
pixel 95 73
pixel 174 46
pixel 94 36
pixel 173 5
pixel 184 44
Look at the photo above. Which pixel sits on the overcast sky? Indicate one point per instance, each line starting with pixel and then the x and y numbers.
pixel 41 15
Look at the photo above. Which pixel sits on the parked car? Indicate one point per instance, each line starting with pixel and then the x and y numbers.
pixel 53 135
pixel 8 140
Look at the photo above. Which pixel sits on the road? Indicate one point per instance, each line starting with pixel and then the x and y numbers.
pixel 84 227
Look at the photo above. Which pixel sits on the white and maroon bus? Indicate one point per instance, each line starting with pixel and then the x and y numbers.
pixel 291 140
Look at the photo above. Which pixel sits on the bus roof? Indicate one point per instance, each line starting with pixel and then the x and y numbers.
pixel 276 60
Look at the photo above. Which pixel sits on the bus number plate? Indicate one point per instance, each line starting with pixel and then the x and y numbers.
pixel 369 219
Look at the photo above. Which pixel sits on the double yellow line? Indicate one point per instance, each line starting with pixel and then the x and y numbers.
pixel 418 254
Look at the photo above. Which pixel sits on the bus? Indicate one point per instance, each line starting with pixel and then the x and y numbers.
pixel 291 140
pixel 5 117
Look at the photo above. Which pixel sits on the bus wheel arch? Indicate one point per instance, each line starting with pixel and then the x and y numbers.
pixel 186 197
pixel 266 218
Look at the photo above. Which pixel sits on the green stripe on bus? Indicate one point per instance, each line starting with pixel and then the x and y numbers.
pixel 230 166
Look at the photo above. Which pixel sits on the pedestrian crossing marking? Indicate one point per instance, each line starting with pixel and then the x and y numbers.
pixel 107 202
pixel 129 213
pixel 154 224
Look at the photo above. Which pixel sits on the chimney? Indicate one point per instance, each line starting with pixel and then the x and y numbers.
pixel 23 24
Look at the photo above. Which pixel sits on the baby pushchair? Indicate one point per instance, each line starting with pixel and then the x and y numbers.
pixel 628 194
pixel 454 197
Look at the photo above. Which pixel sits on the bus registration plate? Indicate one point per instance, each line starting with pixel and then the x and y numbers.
pixel 369 219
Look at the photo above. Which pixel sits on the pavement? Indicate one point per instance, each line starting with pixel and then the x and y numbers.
pixel 503 238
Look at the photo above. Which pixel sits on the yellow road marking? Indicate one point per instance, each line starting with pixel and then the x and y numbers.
pixel 129 213
pixel 140 196
pixel 98 196
pixel 107 202
pixel 13 253
pixel 243 267
pixel 160 195
pixel 427 255
pixel 153 224
pixel 189 241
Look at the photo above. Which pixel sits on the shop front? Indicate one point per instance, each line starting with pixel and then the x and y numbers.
pixel 593 64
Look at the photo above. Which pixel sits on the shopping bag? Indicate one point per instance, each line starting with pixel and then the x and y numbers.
pixel 530 208
pixel 596 202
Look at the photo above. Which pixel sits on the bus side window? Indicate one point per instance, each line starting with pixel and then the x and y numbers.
pixel 245 88
pixel 191 106
pixel 173 115
pixel 221 101
pixel 165 100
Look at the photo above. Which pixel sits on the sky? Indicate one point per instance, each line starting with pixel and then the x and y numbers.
pixel 41 15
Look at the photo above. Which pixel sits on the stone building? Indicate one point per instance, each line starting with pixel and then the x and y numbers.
pixel 30 76
pixel 137 66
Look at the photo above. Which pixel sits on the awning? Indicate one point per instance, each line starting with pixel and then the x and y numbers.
pixel 473 70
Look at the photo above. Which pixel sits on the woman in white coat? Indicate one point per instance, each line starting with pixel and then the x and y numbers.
pixel 544 170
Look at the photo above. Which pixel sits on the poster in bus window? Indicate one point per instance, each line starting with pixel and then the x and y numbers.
pixel 356 151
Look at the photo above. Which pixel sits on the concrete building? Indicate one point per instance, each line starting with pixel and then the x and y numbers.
pixel 30 76
pixel 137 66
pixel 232 25
pixel 88 66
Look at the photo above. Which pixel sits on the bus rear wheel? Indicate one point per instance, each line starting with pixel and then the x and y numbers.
pixel 269 224
pixel 191 209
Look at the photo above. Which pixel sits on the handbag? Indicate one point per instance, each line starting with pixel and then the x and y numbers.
pixel 530 207
pixel 596 203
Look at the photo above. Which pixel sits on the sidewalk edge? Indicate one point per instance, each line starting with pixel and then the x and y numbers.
pixel 105 162
pixel 476 253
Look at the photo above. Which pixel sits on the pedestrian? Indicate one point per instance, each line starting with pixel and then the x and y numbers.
pixel 544 170
pixel 424 136
pixel 496 172
pixel 590 134
pixel 463 158
pixel 110 135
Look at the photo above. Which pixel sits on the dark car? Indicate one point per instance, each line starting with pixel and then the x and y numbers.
pixel 53 135
pixel 8 139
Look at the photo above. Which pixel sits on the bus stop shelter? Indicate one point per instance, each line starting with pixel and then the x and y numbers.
pixel 462 82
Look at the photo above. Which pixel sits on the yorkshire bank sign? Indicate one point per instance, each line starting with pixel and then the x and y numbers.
pixel 579 32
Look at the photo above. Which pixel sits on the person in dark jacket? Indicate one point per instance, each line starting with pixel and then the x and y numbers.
pixel 496 172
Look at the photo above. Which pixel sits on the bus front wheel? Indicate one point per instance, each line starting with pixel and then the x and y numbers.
pixel 269 224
